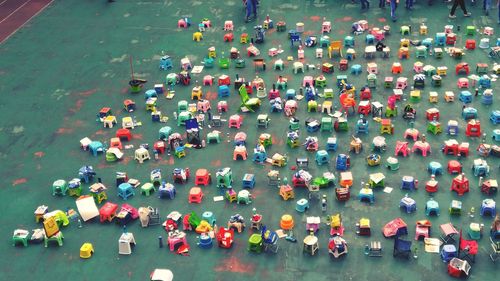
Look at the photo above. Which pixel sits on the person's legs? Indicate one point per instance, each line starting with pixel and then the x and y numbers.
pixel 462 6
pixel 381 3
pixel 393 9
pixel 255 3
pixel 454 7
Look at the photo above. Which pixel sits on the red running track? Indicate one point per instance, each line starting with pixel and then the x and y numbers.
pixel 14 14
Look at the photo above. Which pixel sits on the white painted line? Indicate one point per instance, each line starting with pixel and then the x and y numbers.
pixel 13 32
pixel 15 11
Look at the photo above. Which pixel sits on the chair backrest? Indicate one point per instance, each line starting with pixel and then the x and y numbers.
pixel 243 94
pixel 336 45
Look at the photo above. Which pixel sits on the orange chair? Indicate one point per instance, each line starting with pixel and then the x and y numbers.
pixel 203 177
pixel 286 222
pixel 115 142
pixel 335 46
pixel 195 195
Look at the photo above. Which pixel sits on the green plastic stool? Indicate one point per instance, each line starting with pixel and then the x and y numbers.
pixel 240 63
pixel 326 124
pixel 320 83
pixel 20 237
pixel 391 112
pixel 405 30
pixel 147 189
pixel 471 30
pixel 57 237
pixel 255 243
pixel 434 127
pixel 392 164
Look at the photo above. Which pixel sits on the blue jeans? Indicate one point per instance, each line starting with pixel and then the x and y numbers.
pixel 251 8
pixel 365 4
pixel 381 3
pixel 394 5
pixel 487 5
pixel 409 4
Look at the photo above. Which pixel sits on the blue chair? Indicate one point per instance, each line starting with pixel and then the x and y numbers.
pixel 259 156
pixel 290 94
pixel 165 63
pixel 488 207
pixel 408 183
pixel 209 217
pixel 223 91
pixel 356 69
pixel 432 207
pixel 96 147
pixel 302 205
pixel 402 248
pixel 435 168
pixel 448 252
pixel 322 157
pixel 151 93
pixel 370 39
pixel 313 127
pixel 249 181
pixel 166 190
pixel 125 190
pixel 495 117
pixel 362 126
pixel 496 135
pixel 487 99
pixel 86 173
pixel 205 241
pixel 331 144
pixel 349 42
pixel 366 195
pixel 294 37
pixel 452 128
pixel 440 39
pixel 208 62
pixel 408 204
pixel 427 42
pixel 342 162
pixel 480 168
pixel 469 113
pixel 485 82
pixel 465 97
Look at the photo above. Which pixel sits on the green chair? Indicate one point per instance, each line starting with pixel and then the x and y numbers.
pixel 328 94
pixel 194 220
pixel 278 64
pixel 389 112
pixel 371 80
pixel 434 127
pixel 183 117
pixel 324 41
pixel 59 187
pixel 213 136
pixel 474 231
pixel 243 197
pixel 471 30
pixel 224 63
pixel 171 79
pixel 392 164
pixel 421 52
pixel 455 208
pixel 182 105
pixel 58 237
pixel 320 82
pixel 255 243
pixel 208 62
pixel 294 124
pixel 326 124
pixel 20 236
pixel 263 120
pixel 147 189
pixel 240 63
pixel 249 103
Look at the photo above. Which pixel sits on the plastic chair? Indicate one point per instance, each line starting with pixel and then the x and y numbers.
pixel 448 252
pixel 488 207
pixel 402 248
pixel 432 207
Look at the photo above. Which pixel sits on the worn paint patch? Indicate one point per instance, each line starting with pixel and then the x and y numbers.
pixel 64 131
pixel 215 163
pixel 233 264
pixel 87 93
pixel 315 18
pixel 382 20
pixel 39 154
pixel 19 181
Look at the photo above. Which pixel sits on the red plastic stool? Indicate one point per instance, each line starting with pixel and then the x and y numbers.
pixel 454 167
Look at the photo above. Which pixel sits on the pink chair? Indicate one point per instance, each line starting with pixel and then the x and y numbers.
pixel 401 83
pixel 308 80
pixel 413 133
pixel 208 80
pixel 463 83
pixel 182 23
pixel 422 229
pixel 176 237
pixel 423 147
pixel 235 121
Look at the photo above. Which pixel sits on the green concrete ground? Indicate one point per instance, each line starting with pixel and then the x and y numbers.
pixel 73 59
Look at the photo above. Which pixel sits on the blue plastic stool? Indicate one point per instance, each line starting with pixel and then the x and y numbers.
pixel 322 157
pixel 205 242
pixel 496 135
pixel 209 217
pixel 408 183
pixel 435 168
pixel 432 207
pixel 349 41
pixel 427 42
pixel 249 181
pixel 125 190
pixel 448 252
pixel 488 207
pixel 484 82
pixel 440 39
pixel 370 39
pixel 165 63
pixel 290 94
pixel 151 93
pixel 487 99
pixel 223 91
pixel 465 97
pixel 331 144
pixel 495 117
pixel 408 204
pixel 356 69
pixel 365 196
pixel 469 113
pixel 302 205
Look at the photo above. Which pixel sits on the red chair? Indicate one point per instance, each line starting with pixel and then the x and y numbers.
pixel 450 147
pixel 454 167
pixel 470 44
pixel 432 185
pixel 159 146
pixel 458 267
pixel 467 249
pixel 195 195
pixel 108 212
pixel 460 184
pixel 228 37
pixel 224 80
pixel 203 177
pixel 225 237
pixel 463 66
pixel 124 134
pixel 364 107
pixel 365 94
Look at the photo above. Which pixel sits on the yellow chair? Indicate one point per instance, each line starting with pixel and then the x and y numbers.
pixel 197 36
pixel 335 46
pixel 86 250
pixel 196 93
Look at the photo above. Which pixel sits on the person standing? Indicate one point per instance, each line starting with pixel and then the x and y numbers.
pixel 462 6
pixel 251 7
pixel 409 4
pixel 381 3
pixel 365 4
pixel 394 6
